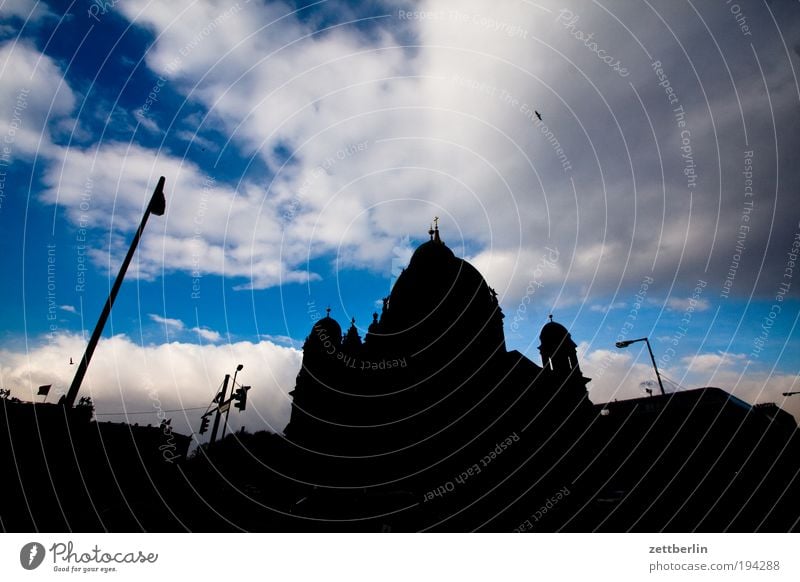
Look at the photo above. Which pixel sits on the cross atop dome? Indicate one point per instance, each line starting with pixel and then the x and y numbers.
pixel 435 233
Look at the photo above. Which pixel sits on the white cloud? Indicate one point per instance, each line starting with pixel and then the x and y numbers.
pixel 448 132
pixel 523 272
pixel 208 228
pixel 381 137
pixel 68 308
pixel 126 376
pixel 207 334
pixel 609 307
pixel 710 364
pixel 283 340
pixel 203 333
pixel 175 324
pixel 28 10
pixel 196 139
pixel 614 373
pixel 33 98
pixel 688 303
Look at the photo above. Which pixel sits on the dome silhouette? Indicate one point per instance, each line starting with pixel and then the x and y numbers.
pixel 553 333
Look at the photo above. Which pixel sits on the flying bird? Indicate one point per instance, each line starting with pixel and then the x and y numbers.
pixel 71 363
pixel 539 115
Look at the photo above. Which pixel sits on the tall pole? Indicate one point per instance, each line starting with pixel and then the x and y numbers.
pixel 233 389
pixel 626 343
pixel 216 417
pixel 156 206
pixel 652 358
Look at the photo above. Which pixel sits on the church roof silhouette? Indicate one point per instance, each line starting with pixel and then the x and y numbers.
pixel 407 416
pixel 428 423
pixel 433 370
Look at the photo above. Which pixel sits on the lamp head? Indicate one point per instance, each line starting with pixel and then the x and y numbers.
pixel 239 367
pixel 624 344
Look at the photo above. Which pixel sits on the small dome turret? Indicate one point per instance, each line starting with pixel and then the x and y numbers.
pixel 557 348
pixel 351 342
pixel 554 334
pixel 326 331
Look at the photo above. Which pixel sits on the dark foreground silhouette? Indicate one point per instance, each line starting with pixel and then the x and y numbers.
pixel 429 423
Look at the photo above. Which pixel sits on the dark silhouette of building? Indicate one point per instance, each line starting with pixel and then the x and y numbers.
pixel 416 405
pixel 62 471
pixel 426 423
pixel 432 375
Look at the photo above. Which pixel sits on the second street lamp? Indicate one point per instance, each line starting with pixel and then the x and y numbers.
pixel 233 389
pixel 626 343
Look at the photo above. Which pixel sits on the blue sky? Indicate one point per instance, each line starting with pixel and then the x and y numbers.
pixel 307 147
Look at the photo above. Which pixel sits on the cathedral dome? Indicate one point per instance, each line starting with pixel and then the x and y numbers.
pixel 434 276
pixel 442 299
pixel 433 251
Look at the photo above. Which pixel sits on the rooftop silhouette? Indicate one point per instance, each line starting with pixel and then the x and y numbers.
pixel 427 422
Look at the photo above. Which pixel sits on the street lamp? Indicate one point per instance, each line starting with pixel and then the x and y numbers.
pixel 790 393
pixel 157 206
pixel 233 389
pixel 626 343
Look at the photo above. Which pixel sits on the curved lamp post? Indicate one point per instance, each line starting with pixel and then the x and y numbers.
pixel 626 343
pixel 157 206
pixel 239 368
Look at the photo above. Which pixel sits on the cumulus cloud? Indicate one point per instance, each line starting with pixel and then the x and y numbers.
pixel 35 100
pixel 209 227
pixel 175 324
pixel 28 10
pixel 208 335
pixel 710 364
pixel 606 308
pixel 683 304
pixel 362 136
pixel 283 340
pixel 125 376
pixel 615 375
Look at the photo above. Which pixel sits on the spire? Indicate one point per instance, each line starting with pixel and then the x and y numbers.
pixel 430 231
pixel 373 328
pixel 551 317
pixel 351 341
pixel 436 229
pixel 328 311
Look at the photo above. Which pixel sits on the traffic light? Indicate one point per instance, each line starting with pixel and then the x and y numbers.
pixel 240 396
pixel 203 424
